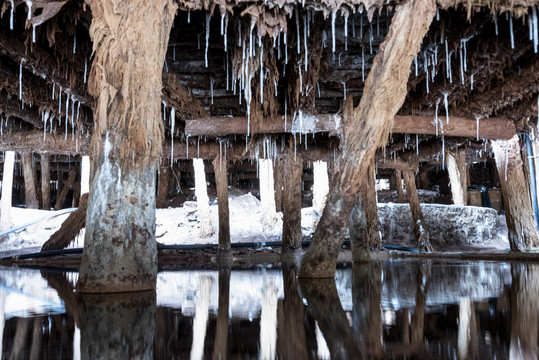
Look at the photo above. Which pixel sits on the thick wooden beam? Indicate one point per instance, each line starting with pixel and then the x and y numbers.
pixel 491 128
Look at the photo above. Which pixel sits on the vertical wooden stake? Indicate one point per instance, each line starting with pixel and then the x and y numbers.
pixel 420 228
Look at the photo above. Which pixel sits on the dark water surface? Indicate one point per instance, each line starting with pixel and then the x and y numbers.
pixel 396 309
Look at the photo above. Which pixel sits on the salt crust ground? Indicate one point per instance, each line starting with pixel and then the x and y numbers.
pixel 177 225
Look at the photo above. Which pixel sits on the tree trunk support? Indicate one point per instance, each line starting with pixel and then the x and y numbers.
pixel 45 181
pixel 420 228
pixel 163 186
pixel 400 193
pixel 65 188
pixel 293 168
pixel 278 184
pixel 516 199
pixel 30 194
pixel 120 251
pixel 220 169
pixel 366 130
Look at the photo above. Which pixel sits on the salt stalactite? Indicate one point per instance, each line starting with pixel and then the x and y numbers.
pixel 53 88
pixel 20 80
pixel 85 69
pixel 361 27
pixel 268 323
pixel 461 67
pixel 305 42
pixel 172 124
pixel 477 118
pixel 212 81
pixel 45 117
pixel 74 42
pixel 446 105
pixel 495 24
pixel 511 32
pixel 344 88
pixel 322 350
pixel 285 50
pixel 29 5
pixel 471 82
pixel 298 33
pixel 346 32
pixel 318 88
pixel 417 144
pixel 201 193
pixel 353 28
pixel 11 18
pixel 443 152
pixel 362 64
pixel 333 40
pixel 267 197
pixel 535 29
pixel 200 320
pixel 321 185
pixel 60 105
pixel 371 37
pixel 447 60
pixel 300 78
pixel 34 33
pixel 415 64
pixel 7 188
pixel 85 175
pixel 208 18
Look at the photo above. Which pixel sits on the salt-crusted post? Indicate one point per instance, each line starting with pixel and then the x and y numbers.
pixel 221 182
pixel 516 196
pixel 201 192
pixel 321 185
pixel 129 42
pixel 30 194
pixel 85 175
pixel 267 196
pixel 455 180
pixel 367 129
pixel 398 180
pixel 292 169
pixel 420 228
pixel 7 190
pixel 45 181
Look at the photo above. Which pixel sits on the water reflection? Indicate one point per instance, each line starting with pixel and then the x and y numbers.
pixel 395 309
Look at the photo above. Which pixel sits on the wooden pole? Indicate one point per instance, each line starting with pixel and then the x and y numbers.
pixel 220 345
pixel 29 181
pixel 220 168
pixel 292 169
pixel 420 228
pixel 517 203
pixel 400 193
pixel 463 170
pixel 45 181
pixel 65 188
pixel 163 186
pixel 278 183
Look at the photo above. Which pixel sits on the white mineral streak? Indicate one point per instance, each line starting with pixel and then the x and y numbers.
pixel 268 323
pixel 201 317
pixel 321 185
pixel 208 18
pixel 7 188
pixel 323 351
pixel 85 175
pixel 201 193
pixel 465 321
pixel 267 195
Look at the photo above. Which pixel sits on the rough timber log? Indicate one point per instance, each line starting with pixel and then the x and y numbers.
pixel 366 130
pixel 65 188
pixel 400 193
pixel 497 128
pixel 517 203
pixel 455 180
pixel 29 181
pixel 420 228
pixel 45 181
pixel 130 40
pixel 70 227
pixel 220 169
pixel 292 169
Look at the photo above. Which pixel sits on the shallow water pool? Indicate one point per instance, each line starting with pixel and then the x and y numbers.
pixel 394 309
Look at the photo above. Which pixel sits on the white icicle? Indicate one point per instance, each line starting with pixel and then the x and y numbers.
pixel 189 16
pixel 353 27
pixel 300 78
pixel 362 64
pixel 446 107
pixel 34 33
pixel 447 61
pixel 261 70
pixel 20 80
pixel 318 87
pixel 370 37
pixel 333 40
pixel 477 118
pixel 443 152
pixel 212 80
pixel 208 18
pixel 415 64
pixel 495 24
pixel 297 31
pixel 471 82
pixel 85 69
pixel 279 46
pixel 417 144
pixel 361 27
pixel 74 42
pixel 11 18
pixel 535 29
pixel 285 51
pixel 461 67
pixel 344 88
pixel 53 88
pixel 226 71
pixel 511 32
pixel 172 124
pixel 305 42
pixel 436 118
pixel 346 32
pixel 506 158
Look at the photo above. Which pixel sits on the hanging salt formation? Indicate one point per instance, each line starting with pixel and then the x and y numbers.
pixel 477 118
pixel 20 80
pixel 511 32
pixel 172 123
pixel 446 107
pixel 535 29
pixel 11 18
pixel 208 18
pixel 333 15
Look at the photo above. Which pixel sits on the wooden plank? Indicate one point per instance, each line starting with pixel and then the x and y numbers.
pixel 492 128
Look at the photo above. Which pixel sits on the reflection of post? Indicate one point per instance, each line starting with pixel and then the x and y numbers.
pixel 367 314
pixel 117 326
pixel 467 329
pixel 35 350
pixel 2 317
pixel 524 311
pixel 290 315
pixel 19 341
pixel 201 317
pixel 325 307
pixel 268 323
pixel 418 319
pixel 220 346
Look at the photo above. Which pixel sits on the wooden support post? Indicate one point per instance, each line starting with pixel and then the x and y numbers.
pixel 201 193
pixel 76 193
pixel 7 190
pixel 293 168
pixel 420 228
pixel 45 181
pixel 163 186
pixel 220 345
pixel 278 183
pixel 418 318
pixel 221 181
pixel 517 203
pixel 267 195
pixel 455 180
pixel 422 178
pixel 30 194
pixel 120 251
pixel 463 170
pixel 364 232
pixel 84 175
pixel 400 193
pixel 63 193
pixel 321 185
